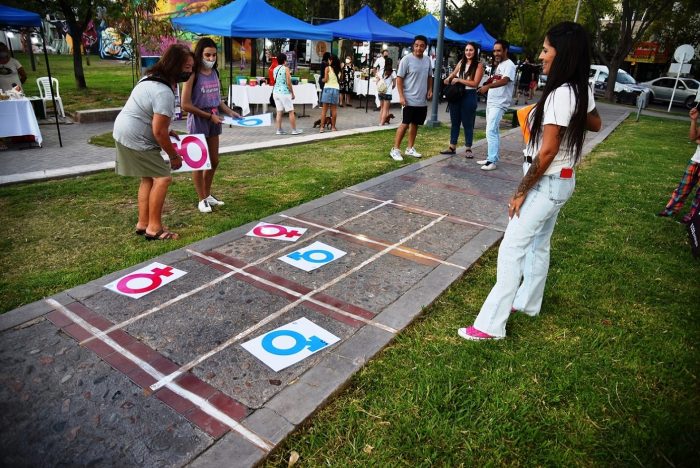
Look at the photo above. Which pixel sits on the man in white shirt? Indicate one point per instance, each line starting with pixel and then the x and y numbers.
pixel 500 94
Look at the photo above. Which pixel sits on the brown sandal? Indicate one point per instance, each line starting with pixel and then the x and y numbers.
pixel 468 154
pixel 161 235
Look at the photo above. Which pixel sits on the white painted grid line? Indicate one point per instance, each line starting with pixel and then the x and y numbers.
pixel 290 306
pixel 195 399
pixel 371 241
pixel 152 310
pixel 185 295
pixel 421 210
pixel 291 291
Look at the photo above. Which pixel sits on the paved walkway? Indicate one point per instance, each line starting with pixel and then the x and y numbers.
pixel 91 377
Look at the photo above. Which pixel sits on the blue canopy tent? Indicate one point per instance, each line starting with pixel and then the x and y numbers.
pixel 482 37
pixel 365 25
pixel 250 18
pixel 27 19
pixel 429 27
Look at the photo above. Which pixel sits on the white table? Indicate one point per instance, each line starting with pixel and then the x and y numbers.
pixel 244 96
pixel 18 119
pixel 360 88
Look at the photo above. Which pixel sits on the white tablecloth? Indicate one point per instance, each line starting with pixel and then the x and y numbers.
pixel 244 96
pixel 17 117
pixel 360 88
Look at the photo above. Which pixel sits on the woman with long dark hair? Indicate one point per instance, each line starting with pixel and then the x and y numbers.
pixel 467 73
pixel 557 128
pixel 141 131
pixel 201 98
pixel 386 81
pixel 331 92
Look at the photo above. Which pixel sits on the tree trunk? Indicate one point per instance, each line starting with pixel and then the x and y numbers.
pixel 78 61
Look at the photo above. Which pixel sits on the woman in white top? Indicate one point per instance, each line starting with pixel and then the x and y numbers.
pixel 467 73
pixel 557 128
pixel 386 80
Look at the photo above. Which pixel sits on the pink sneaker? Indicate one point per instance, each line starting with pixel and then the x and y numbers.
pixel 471 333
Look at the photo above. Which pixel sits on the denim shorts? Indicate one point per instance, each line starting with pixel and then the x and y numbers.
pixel 330 96
pixel 384 97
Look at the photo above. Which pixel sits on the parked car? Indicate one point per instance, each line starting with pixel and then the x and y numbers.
pixel 541 81
pixel 662 88
pixel 626 88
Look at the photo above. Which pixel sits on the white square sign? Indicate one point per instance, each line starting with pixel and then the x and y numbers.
pixel 194 152
pixel 313 256
pixel 277 231
pixel 289 344
pixel 261 120
pixel 141 282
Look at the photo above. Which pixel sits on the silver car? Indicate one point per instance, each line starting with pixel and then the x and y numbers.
pixel 662 88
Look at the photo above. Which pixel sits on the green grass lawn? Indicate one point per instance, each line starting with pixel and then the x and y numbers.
pixel 607 375
pixel 59 234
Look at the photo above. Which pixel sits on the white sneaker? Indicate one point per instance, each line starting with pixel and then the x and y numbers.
pixel 204 206
pixel 297 132
pixel 213 201
pixel 489 166
pixel 281 132
pixel 395 154
pixel 481 162
pixel 412 152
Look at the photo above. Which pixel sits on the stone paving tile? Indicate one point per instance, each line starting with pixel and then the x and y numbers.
pixel 244 377
pixel 441 200
pixel 60 405
pixel 119 308
pixel 205 320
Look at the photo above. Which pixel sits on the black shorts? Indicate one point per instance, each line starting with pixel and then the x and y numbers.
pixel 414 115
pixel 384 97
pixel 524 86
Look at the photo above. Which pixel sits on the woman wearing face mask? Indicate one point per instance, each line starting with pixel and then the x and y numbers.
pixel 467 73
pixel 347 82
pixel 201 98
pixel 141 131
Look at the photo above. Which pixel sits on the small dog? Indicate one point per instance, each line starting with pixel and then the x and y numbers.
pixel 327 123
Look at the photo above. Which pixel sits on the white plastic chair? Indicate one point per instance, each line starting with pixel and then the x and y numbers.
pixel 45 93
pixel 317 78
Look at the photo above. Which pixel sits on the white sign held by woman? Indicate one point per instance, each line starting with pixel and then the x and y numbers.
pixel 193 150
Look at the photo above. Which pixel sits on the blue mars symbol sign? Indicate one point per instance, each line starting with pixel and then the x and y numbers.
pixel 290 343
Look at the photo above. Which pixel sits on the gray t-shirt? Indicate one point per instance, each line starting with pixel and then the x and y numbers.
pixel 132 128
pixel 415 72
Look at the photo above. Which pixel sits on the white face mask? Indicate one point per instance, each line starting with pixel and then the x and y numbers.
pixel 207 64
pixel 347 60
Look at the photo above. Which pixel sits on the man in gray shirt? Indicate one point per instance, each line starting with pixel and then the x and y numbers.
pixel 414 82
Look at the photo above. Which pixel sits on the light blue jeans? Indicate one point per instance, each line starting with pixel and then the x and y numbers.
pixel 493 121
pixel 523 258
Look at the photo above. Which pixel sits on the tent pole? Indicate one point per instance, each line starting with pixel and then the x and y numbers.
pixel 434 121
pixel 230 69
pixel 369 72
pixel 48 71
